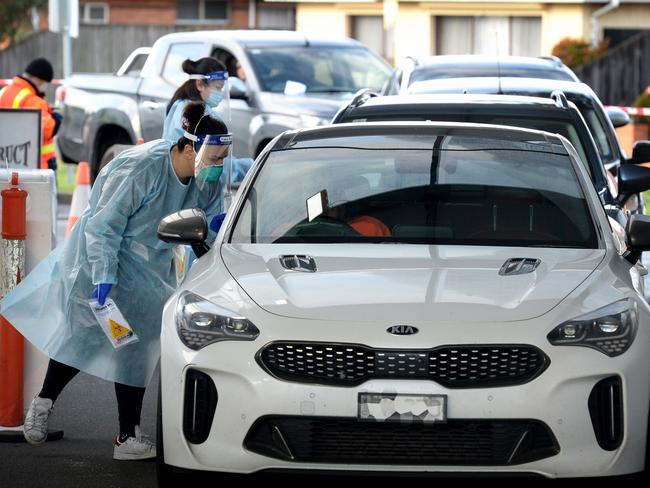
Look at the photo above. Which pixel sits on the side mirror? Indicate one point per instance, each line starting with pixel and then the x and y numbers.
pixel 618 117
pixel 641 152
pixel 238 89
pixel 632 179
pixel 188 227
pixel 638 236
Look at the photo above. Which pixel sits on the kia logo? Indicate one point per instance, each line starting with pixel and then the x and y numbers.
pixel 402 330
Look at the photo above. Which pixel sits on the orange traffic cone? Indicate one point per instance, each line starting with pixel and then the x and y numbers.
pixel 80 196
pixel 140 140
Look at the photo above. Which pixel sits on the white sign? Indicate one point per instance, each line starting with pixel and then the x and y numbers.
pixel 64 15
pixel 20 138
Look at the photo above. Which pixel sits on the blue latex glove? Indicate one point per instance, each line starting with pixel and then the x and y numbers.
pixel 217 220
pixel 101 291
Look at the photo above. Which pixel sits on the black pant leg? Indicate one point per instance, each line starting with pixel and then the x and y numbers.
pixel 57 377
pixel 129 407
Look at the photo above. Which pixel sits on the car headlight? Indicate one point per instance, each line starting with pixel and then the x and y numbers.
pixel 312 121
pixel 200 322
pixel 610 329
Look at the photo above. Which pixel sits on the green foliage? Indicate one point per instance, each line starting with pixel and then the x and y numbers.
pixel 16 17
pixel 643 100
pixel 576 52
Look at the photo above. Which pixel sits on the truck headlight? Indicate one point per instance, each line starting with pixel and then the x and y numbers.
pixel 200 322
pixel 610 329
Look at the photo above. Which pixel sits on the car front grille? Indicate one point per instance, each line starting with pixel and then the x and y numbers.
pixel 455 443
pixel 451 366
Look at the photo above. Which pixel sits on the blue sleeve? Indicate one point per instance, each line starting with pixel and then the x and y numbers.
pixel 240 167
pixel 122 194
pixel 173 127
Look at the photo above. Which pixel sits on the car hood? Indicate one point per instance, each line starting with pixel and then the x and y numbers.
pixel 407 283
pixel 321 105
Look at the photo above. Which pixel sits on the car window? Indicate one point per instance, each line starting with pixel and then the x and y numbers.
pixel 453 192
pixel 440 71
pixel 172 71
pixel 598 131
pixel 315 69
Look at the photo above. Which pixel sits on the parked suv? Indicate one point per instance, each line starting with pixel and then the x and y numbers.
pixel 291 81
pixel 413 70
pixel 555 115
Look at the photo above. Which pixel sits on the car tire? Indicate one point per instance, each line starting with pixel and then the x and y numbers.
pixel 109 155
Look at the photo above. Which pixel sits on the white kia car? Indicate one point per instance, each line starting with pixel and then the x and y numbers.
pixel 410 297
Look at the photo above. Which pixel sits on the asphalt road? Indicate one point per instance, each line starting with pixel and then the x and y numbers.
pixel 87 413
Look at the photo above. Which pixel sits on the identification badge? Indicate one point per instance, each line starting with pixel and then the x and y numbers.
pixel 113 323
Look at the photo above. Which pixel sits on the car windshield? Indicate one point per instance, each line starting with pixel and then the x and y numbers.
pixel 440 71
pixel 318 69
pixel 554 126
pixel 599 133
pixel 422 190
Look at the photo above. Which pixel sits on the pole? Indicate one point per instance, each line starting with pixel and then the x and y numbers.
pixel 14 223
pixel 67 40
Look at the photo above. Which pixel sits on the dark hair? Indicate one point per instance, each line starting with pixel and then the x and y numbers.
pixel 197 122
pixel 188 90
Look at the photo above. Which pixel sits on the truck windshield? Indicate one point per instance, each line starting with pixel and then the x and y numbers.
pixel 317 69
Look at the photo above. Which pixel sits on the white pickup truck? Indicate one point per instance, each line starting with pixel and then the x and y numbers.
pixel 102 110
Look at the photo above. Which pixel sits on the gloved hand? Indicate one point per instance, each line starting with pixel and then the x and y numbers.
pixel 217 220
pixel 101 291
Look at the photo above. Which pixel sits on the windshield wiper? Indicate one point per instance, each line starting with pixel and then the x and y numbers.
pixel 331 90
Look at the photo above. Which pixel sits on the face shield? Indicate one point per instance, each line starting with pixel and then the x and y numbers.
pixel 218 100
pixel 212 162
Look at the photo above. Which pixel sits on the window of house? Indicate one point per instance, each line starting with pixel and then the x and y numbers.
pixel 272 17
pixel 202 11
pixel 368 29
pixel 95 13
pixel 490 35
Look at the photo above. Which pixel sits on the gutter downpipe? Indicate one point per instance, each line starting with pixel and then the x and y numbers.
pixel 252 13
pixel 595 28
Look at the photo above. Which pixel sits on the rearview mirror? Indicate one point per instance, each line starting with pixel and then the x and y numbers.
pixel 238 89
pixel 641 152
pixel 618 117
pixel 632 179
pixel 638 236
pixel 188 227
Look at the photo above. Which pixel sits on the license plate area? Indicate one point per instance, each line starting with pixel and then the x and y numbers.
pixel 403 408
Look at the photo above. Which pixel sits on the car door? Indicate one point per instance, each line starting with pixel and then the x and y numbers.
pixel 156 90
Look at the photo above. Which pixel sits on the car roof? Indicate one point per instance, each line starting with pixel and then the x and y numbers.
pixel 330 136
pixel 455 103
pixel 495 85
pixel 543 63
pixel 261 38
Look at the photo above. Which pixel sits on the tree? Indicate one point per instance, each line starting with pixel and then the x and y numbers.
pixel 15 15
pixel 576 52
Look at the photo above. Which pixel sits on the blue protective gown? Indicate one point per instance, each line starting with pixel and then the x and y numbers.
pixel 173 130
pixel 114 241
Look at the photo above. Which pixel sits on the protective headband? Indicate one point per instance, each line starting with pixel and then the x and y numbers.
pixel 215 75
pixel 210 139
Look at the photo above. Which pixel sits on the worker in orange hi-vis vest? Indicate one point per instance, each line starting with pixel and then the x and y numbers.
pixel 26 91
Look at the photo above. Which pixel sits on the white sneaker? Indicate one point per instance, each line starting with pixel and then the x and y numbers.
pixel 134 448
pixel 35 426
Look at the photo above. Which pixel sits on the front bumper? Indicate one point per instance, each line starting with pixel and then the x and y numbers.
pixel 556 402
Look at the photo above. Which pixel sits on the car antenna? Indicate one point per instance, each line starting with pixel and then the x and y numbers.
pixel 499 92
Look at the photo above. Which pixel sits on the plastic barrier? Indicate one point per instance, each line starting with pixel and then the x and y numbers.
pixel 41 237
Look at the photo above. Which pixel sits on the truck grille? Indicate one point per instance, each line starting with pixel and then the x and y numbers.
pixel 451 366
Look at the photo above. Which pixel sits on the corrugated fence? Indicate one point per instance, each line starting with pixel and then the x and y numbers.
pixel 622 73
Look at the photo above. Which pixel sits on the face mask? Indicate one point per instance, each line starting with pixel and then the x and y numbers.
pixel 210 174
pixel 214 98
